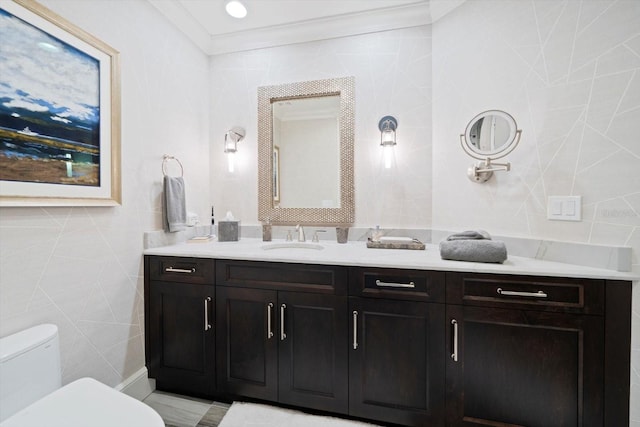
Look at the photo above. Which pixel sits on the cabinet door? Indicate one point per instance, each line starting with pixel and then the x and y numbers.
pixel 182 353
pixel 313 351
pixel 396 363
pixel 524 368
pixel 247 342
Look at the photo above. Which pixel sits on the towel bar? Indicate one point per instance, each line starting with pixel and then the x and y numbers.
pixel 165 159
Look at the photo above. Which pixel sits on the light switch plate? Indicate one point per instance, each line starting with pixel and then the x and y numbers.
pixel 564 208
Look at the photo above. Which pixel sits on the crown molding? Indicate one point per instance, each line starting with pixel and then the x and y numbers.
pixel 322 29
pixel 306 31
pixel 184 22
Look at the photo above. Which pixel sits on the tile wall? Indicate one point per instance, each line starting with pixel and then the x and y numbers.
pixel 393 77
pixel 81 268
pixel 569 72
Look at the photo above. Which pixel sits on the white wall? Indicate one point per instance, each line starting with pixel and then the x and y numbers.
pixel 393 77
pixel 569 72
pixel 81 268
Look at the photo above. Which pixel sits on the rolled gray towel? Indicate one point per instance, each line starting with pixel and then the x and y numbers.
pixel 474 250
pixel 470 235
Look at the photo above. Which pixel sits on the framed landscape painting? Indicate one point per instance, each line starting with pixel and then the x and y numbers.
pixel 59 111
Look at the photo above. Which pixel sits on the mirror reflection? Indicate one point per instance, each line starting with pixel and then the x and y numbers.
pixel 490 133
pixel 306 152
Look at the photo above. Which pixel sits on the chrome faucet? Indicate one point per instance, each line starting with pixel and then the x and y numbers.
pixel 300 231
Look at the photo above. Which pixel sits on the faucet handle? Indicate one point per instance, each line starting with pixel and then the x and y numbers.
pixel 315 238
pixel 289 237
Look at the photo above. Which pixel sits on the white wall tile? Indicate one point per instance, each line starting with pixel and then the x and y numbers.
pixel 77 267
pixel 392 70
pixel 580 107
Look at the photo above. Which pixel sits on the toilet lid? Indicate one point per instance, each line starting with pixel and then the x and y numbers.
pixel 86 402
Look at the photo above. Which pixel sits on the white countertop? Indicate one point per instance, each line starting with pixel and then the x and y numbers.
pixel 357 254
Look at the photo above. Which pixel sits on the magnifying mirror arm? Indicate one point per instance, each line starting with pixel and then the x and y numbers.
pixel 488 166
pixel 483 170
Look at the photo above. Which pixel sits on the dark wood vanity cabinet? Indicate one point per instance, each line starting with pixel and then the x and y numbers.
pixel 179 329
pixel 396 368
pixel 283 333
pixel 398 346
pixel 530 351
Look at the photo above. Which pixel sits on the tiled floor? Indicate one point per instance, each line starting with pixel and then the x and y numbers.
pixel 184 411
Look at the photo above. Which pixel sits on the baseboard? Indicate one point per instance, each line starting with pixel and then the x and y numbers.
pixel 138 385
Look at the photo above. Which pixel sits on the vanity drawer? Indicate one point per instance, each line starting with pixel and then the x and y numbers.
pixel 528 292
pixel 185 270
pixel 327 279
pixel 395 283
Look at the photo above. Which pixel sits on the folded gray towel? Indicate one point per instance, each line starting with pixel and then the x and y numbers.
pixel 471 234
pixel 478 250
pixel 175 210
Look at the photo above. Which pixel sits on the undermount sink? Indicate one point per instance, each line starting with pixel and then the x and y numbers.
pixel 292 245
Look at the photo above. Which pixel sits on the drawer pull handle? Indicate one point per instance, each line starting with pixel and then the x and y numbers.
pixel 395 285
pixel 283 335
pixel 355 330
pixel 539 294
pixel 269 329
pixel 207 325
pixel 454 355
pixel 180 270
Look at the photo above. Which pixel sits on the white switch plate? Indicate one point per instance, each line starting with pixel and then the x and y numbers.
pixel 564 208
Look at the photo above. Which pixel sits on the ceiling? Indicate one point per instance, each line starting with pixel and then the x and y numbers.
pixel 280 22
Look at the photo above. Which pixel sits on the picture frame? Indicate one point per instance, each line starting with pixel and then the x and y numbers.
pixel 60 116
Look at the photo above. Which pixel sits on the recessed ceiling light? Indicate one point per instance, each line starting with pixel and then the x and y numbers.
pixel 236 9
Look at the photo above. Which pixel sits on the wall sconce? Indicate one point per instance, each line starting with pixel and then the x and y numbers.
pixel 231 139
pixel 388 126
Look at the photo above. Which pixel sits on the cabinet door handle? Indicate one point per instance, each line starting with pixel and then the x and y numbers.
pixel 454 355
pixel 395 285
pixel 269 329
pixel 355 330
pixel 539 294
pixel 180 270
pixel 283 307
pixel 207 325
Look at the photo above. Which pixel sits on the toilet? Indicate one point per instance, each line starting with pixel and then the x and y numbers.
pixel 31 392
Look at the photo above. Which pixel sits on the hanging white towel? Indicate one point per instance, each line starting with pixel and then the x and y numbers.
pixel 175 210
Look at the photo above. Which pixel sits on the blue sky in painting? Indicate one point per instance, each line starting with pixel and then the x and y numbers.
pixel 42 75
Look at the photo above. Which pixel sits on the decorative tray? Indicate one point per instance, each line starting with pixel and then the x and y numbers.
pixel 413 244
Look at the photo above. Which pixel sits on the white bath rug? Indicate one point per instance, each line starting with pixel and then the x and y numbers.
pixel 254 415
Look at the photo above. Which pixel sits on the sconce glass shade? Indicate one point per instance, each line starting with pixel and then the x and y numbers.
pixel 230 145
pixel 231 139
pixel 387 126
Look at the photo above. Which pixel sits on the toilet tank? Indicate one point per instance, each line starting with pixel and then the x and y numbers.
pixel 29 367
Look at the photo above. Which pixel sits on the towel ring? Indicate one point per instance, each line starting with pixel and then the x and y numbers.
pixel 166 158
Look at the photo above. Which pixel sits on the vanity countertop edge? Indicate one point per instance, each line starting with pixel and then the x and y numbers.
pixel 355 253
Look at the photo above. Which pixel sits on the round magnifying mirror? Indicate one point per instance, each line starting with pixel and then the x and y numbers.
pixel 491 134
